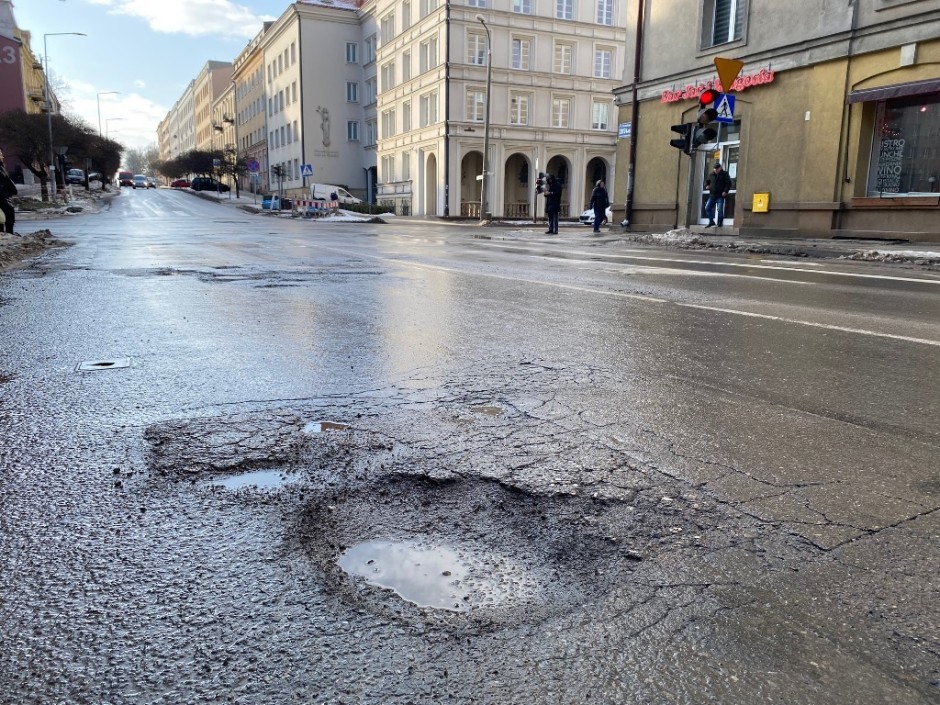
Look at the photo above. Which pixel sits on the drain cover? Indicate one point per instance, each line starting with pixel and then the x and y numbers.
pixel 92 365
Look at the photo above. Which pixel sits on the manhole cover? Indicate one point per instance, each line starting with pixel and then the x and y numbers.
pixel 113 364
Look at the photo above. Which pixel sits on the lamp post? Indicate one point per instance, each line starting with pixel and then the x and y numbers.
pixel 48 96
pixel 484 201
pixel 99 107
pixel 107 126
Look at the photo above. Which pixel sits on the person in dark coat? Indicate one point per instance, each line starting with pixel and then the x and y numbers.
pixel 599 202
pixel 718 187
pixel 7 191
pixel 552 203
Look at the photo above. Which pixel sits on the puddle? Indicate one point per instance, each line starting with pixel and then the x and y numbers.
pixel 321 426
pixel 261 479
pixel 438 577
pixel 488 410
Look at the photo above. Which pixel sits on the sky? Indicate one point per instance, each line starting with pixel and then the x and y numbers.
pixel 146 50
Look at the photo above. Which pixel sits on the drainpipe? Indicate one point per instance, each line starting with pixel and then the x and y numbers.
pixel 300 79
pixel 446 109
pixel 634 113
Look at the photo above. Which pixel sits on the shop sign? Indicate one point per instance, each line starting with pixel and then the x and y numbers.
pixel 692 92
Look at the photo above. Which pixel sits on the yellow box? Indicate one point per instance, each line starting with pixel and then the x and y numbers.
pixel 761 203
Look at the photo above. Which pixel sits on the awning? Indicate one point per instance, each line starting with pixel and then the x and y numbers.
pixel 899 90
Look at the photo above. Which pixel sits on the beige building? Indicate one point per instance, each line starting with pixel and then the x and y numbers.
pixel 835 128
pixel 212 81
pixel 251 113
pixel 552 68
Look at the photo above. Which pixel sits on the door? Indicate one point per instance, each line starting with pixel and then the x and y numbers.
pixel 726 152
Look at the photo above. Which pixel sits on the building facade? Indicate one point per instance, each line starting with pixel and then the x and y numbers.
pixel 251 125
pixel 212 81
pixel 835 128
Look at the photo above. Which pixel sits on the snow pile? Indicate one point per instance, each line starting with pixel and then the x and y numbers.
pixel 680 237
pixel 897 256
pixel 15 248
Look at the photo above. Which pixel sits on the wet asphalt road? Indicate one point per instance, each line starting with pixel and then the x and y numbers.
pixel 657 476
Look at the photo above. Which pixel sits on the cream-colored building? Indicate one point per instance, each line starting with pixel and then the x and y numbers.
pixel 251 131
pixel 553 69
pixel 212 81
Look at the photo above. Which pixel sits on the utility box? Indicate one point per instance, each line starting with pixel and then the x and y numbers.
pixel 761 203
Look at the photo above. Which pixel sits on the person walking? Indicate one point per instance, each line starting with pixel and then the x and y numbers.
pixel 552 203
pixel 7 191
pixel 599 202
pixel 718 187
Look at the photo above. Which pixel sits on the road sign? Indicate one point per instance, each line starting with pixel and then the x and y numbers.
pixel 216 163
pixel 253 166
pixel 725 107
pixel 728 70
pixel 306 169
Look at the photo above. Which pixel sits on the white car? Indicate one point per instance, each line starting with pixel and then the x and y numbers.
pixel 587 218
pixel 140 181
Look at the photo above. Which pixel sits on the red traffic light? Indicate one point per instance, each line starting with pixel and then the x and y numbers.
pixel 708 97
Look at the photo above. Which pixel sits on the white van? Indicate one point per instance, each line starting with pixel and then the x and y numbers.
pixel 325 192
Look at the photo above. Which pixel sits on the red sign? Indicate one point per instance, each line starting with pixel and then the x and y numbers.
pixel 692 92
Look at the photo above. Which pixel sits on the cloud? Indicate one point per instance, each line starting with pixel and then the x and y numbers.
pixel 193 17
pixel 139 84
pixel 130 119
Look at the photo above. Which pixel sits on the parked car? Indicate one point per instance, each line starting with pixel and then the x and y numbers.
pixel 94 176
pixel 180 183
pixel 329 192
pixel 284 204
pixel 205 183
pixel 140 181
pixel 75 176
pixel 587 218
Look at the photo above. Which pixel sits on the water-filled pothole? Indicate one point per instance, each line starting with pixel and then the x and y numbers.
pixel 259 479
pixel 437 576
pixel 323 426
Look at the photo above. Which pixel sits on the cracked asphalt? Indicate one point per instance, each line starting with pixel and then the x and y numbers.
pixel 667 482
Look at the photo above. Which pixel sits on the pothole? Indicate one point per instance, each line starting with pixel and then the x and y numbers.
pixel 487 410
pixel 113 364
pixel 258 479
pixel 320 426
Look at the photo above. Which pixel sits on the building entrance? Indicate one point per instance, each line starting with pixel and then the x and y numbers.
pixel 726 151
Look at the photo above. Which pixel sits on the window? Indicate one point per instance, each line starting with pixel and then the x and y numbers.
pixel 388 76
pixel 429 108
pixel 296 131
pixel 293 57
pixel 406 116
pixel 520 54
pixel 600 116
pixel 352 92
pixel 561 107
pixel 406 166
pixel 476 49
pixel 428 54
pixel 519 109
pixel 280 64
pixel 405 15
pixel 905 157
pixel 563 9
pixel 476 3
pixel 723 21
pixel 605 12
pixel 522 6
pixel 352 130
pixel 371 130
pixel 602 61
pixel 427 7
pixel 293 92
pixel 388 123
pixel 370 91
pixel 388 28
pixel 370 49
pixel 476 100
pixel 405 66
pixel 563 54
pixel 352 53
pixel 388 169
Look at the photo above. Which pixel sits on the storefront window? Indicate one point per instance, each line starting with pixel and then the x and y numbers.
pixel 905 155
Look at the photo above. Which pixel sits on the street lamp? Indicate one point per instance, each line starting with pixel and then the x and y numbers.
pixel 45 57
pixel 107 126
pixel 484 202
pixel 99 107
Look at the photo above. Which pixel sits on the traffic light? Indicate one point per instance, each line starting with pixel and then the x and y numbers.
pixel 707 113
pixel 685 141
pixel 540 183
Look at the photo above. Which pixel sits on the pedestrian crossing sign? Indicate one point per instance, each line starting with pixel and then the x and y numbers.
pixel 725 107
pixel 306 169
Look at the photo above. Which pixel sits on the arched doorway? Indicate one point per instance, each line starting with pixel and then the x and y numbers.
pixel 471 166
pixel 517 186
pixel 560 167
pixel 595 171
pixel 430 186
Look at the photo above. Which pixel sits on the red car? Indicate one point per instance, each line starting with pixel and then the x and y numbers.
pixel 180 183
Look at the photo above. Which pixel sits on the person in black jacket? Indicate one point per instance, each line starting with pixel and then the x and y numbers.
pixel 599 202
pixel 718 187
pixel 552 203
pixel 7 191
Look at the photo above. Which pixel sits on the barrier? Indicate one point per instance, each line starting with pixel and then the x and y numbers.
pixel 315 208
